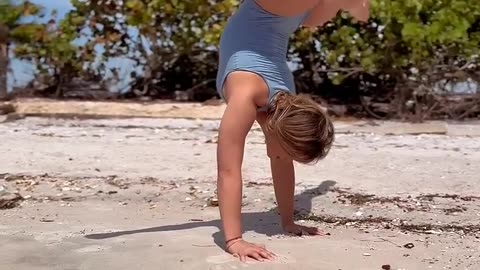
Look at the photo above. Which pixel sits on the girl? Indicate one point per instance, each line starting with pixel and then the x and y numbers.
pixel 256 83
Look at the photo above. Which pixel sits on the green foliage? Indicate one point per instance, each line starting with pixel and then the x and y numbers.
pixel 400 55
pixel 11 13
pixel 414 32
pixel 48 46
pixel 165 38
pixel 12 31
pixel 405 49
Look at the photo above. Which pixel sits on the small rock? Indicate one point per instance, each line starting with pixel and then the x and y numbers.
pixel 433 232
pixel 367 254
pixel 46 220
pixel 188 199
pixel 10 200
pixel 409 245
pixel 386 267
pixel 212 202
pixel 212 140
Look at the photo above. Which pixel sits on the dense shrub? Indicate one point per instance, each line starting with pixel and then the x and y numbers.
pixel 12 30
pixel 402 63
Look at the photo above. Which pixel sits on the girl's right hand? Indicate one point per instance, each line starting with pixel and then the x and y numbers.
pixel 243 249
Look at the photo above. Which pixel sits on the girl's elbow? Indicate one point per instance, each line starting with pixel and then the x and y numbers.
pixel 228 175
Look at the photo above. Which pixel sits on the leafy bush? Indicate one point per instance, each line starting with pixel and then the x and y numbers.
pixel 400 57
pixel 402 63
pixel 170 42
pixel 12 30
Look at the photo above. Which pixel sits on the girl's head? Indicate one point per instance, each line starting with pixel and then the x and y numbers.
pixel 303 129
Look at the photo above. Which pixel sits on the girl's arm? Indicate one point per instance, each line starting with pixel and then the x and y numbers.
pixel 244 94
pixel 243 97
pixel 283 174
pixel 236 122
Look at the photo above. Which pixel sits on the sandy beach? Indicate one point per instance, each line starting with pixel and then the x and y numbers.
pixel 135 190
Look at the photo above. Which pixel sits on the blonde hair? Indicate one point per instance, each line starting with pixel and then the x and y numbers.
pixel 303 129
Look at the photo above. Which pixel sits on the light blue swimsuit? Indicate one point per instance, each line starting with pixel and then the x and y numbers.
pixel 255 40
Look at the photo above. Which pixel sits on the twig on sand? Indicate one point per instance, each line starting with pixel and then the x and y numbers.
pixel 389 241
pixel 203 246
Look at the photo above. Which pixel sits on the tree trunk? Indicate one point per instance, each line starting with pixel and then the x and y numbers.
pixel 3 61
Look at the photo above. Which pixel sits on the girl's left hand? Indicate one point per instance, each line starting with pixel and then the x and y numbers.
pixel 300 230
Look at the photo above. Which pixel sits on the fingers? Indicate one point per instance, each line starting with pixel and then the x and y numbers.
pixel 256 252
pixel 256 255
pixel 261 255
pixel 267 255
pixel 313 231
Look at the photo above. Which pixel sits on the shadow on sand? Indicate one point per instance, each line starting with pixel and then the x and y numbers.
pixel 266 223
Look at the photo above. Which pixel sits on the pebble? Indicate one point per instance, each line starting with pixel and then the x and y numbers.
pixel 46 220
pixel 367 254
pixel 433 232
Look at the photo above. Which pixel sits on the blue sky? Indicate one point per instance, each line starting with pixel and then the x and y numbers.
pixel 22 71
pixel 62 6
